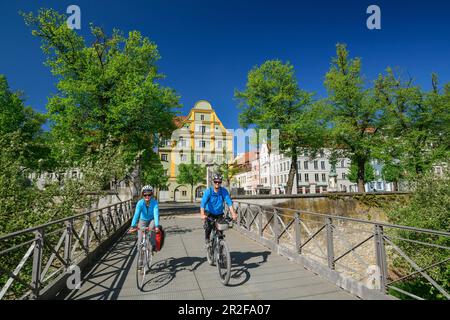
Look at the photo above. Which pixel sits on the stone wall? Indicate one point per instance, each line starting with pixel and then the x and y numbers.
pixel 367 206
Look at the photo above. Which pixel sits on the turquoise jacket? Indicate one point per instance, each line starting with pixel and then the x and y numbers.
pixel 145 213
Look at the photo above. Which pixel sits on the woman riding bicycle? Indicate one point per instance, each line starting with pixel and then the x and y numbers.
pixel 146 214
pixel 212 205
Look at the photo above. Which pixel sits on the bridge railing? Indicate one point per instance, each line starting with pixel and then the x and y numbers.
pixel 369 259
pixel 35 259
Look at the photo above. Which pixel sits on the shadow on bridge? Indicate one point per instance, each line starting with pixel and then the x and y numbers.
pixel 239 266
pixel 107 277
pixel 166 270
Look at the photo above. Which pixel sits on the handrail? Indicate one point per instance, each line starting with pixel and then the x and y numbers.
pixel 382 248
pixel 379 223
pixel 42 226
pixel 82 235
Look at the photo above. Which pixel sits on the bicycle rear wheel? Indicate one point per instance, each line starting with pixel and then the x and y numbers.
pixel 223 261
pixel 141 267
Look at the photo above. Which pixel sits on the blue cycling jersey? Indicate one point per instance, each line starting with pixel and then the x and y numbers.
pixel 146 213
pixel 212 201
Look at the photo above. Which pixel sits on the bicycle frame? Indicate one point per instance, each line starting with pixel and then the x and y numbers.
pixel 144 255
pixel 218 253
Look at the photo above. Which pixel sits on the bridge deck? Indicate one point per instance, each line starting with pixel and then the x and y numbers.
pixel 180 271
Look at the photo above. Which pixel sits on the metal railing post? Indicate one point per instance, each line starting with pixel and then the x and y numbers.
pixel 68 243
pixel 276 230
pixel 37 263
pixel 330 244
pixel 248 217
pixel 87 233
pixel 298 241
pixel 99 221
pixel 260 221
pixel 239 213
pixel 381 257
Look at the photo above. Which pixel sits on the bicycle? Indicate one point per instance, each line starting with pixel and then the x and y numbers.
pixel 217 250
pixel 144 255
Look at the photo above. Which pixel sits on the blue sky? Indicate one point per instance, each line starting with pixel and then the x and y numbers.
pixel 208 47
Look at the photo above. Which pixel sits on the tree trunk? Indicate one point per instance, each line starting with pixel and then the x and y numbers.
pixel 192 193
pixel 395 185
pixel 292 173
pixel 361 172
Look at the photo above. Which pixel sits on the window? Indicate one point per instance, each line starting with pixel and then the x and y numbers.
pixel 306 177
pixel 322 165
pixel 379 185
pixel 299 178
pixel 184 193
pixel 198 158
pixel 316 165
pixel 182 142
pixel 305 165
pixel 164 157
pixel 74 175
pixel 202 144
pixel 299 165
pixel 344 176
pixel 316 177
pixel 183 158
pixel 202 117
pixel 219 144
pixel 343 163
pixel 203 129
pixel 163 189
pixel 324 177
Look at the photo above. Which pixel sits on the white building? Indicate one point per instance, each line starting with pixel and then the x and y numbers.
pixel 313 173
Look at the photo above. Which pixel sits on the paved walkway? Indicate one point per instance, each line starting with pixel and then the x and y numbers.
pixel 180 271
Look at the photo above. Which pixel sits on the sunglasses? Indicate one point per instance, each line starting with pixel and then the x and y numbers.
pixel 148 195
pixel 219 182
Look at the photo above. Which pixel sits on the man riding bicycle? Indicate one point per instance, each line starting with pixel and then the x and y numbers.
pixel 212 206
pixel 146 214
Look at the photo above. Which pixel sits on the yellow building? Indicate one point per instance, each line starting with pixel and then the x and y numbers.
pixel 202 135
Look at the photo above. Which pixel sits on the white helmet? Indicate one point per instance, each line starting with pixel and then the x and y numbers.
pixel 147 188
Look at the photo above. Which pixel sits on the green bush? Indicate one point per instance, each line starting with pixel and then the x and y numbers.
pixel 429 208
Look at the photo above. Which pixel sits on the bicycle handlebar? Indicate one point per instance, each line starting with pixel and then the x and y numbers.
pixel 132 230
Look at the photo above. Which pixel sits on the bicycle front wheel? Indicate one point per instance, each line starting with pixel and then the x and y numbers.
pixel 223 260
pixel 141 267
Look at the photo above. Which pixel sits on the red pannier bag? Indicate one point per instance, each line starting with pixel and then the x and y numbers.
pixel 159 238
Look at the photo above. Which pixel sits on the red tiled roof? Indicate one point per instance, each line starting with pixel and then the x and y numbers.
pixel 178 121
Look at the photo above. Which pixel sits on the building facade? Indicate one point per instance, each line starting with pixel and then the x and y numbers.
pixel 313 174
pixel 201 138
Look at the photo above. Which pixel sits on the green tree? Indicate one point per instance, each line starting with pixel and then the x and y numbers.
pixel 15 117
pixel 107 91
pixel 369 174
pixel 427 208
pixel 417 132
pixel 273 100
pixel 191 174
pixel 356 117
pixel 393 172
pixel 156 175
pixel 229 171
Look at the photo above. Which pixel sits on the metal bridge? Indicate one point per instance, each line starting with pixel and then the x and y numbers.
pixel 277 253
